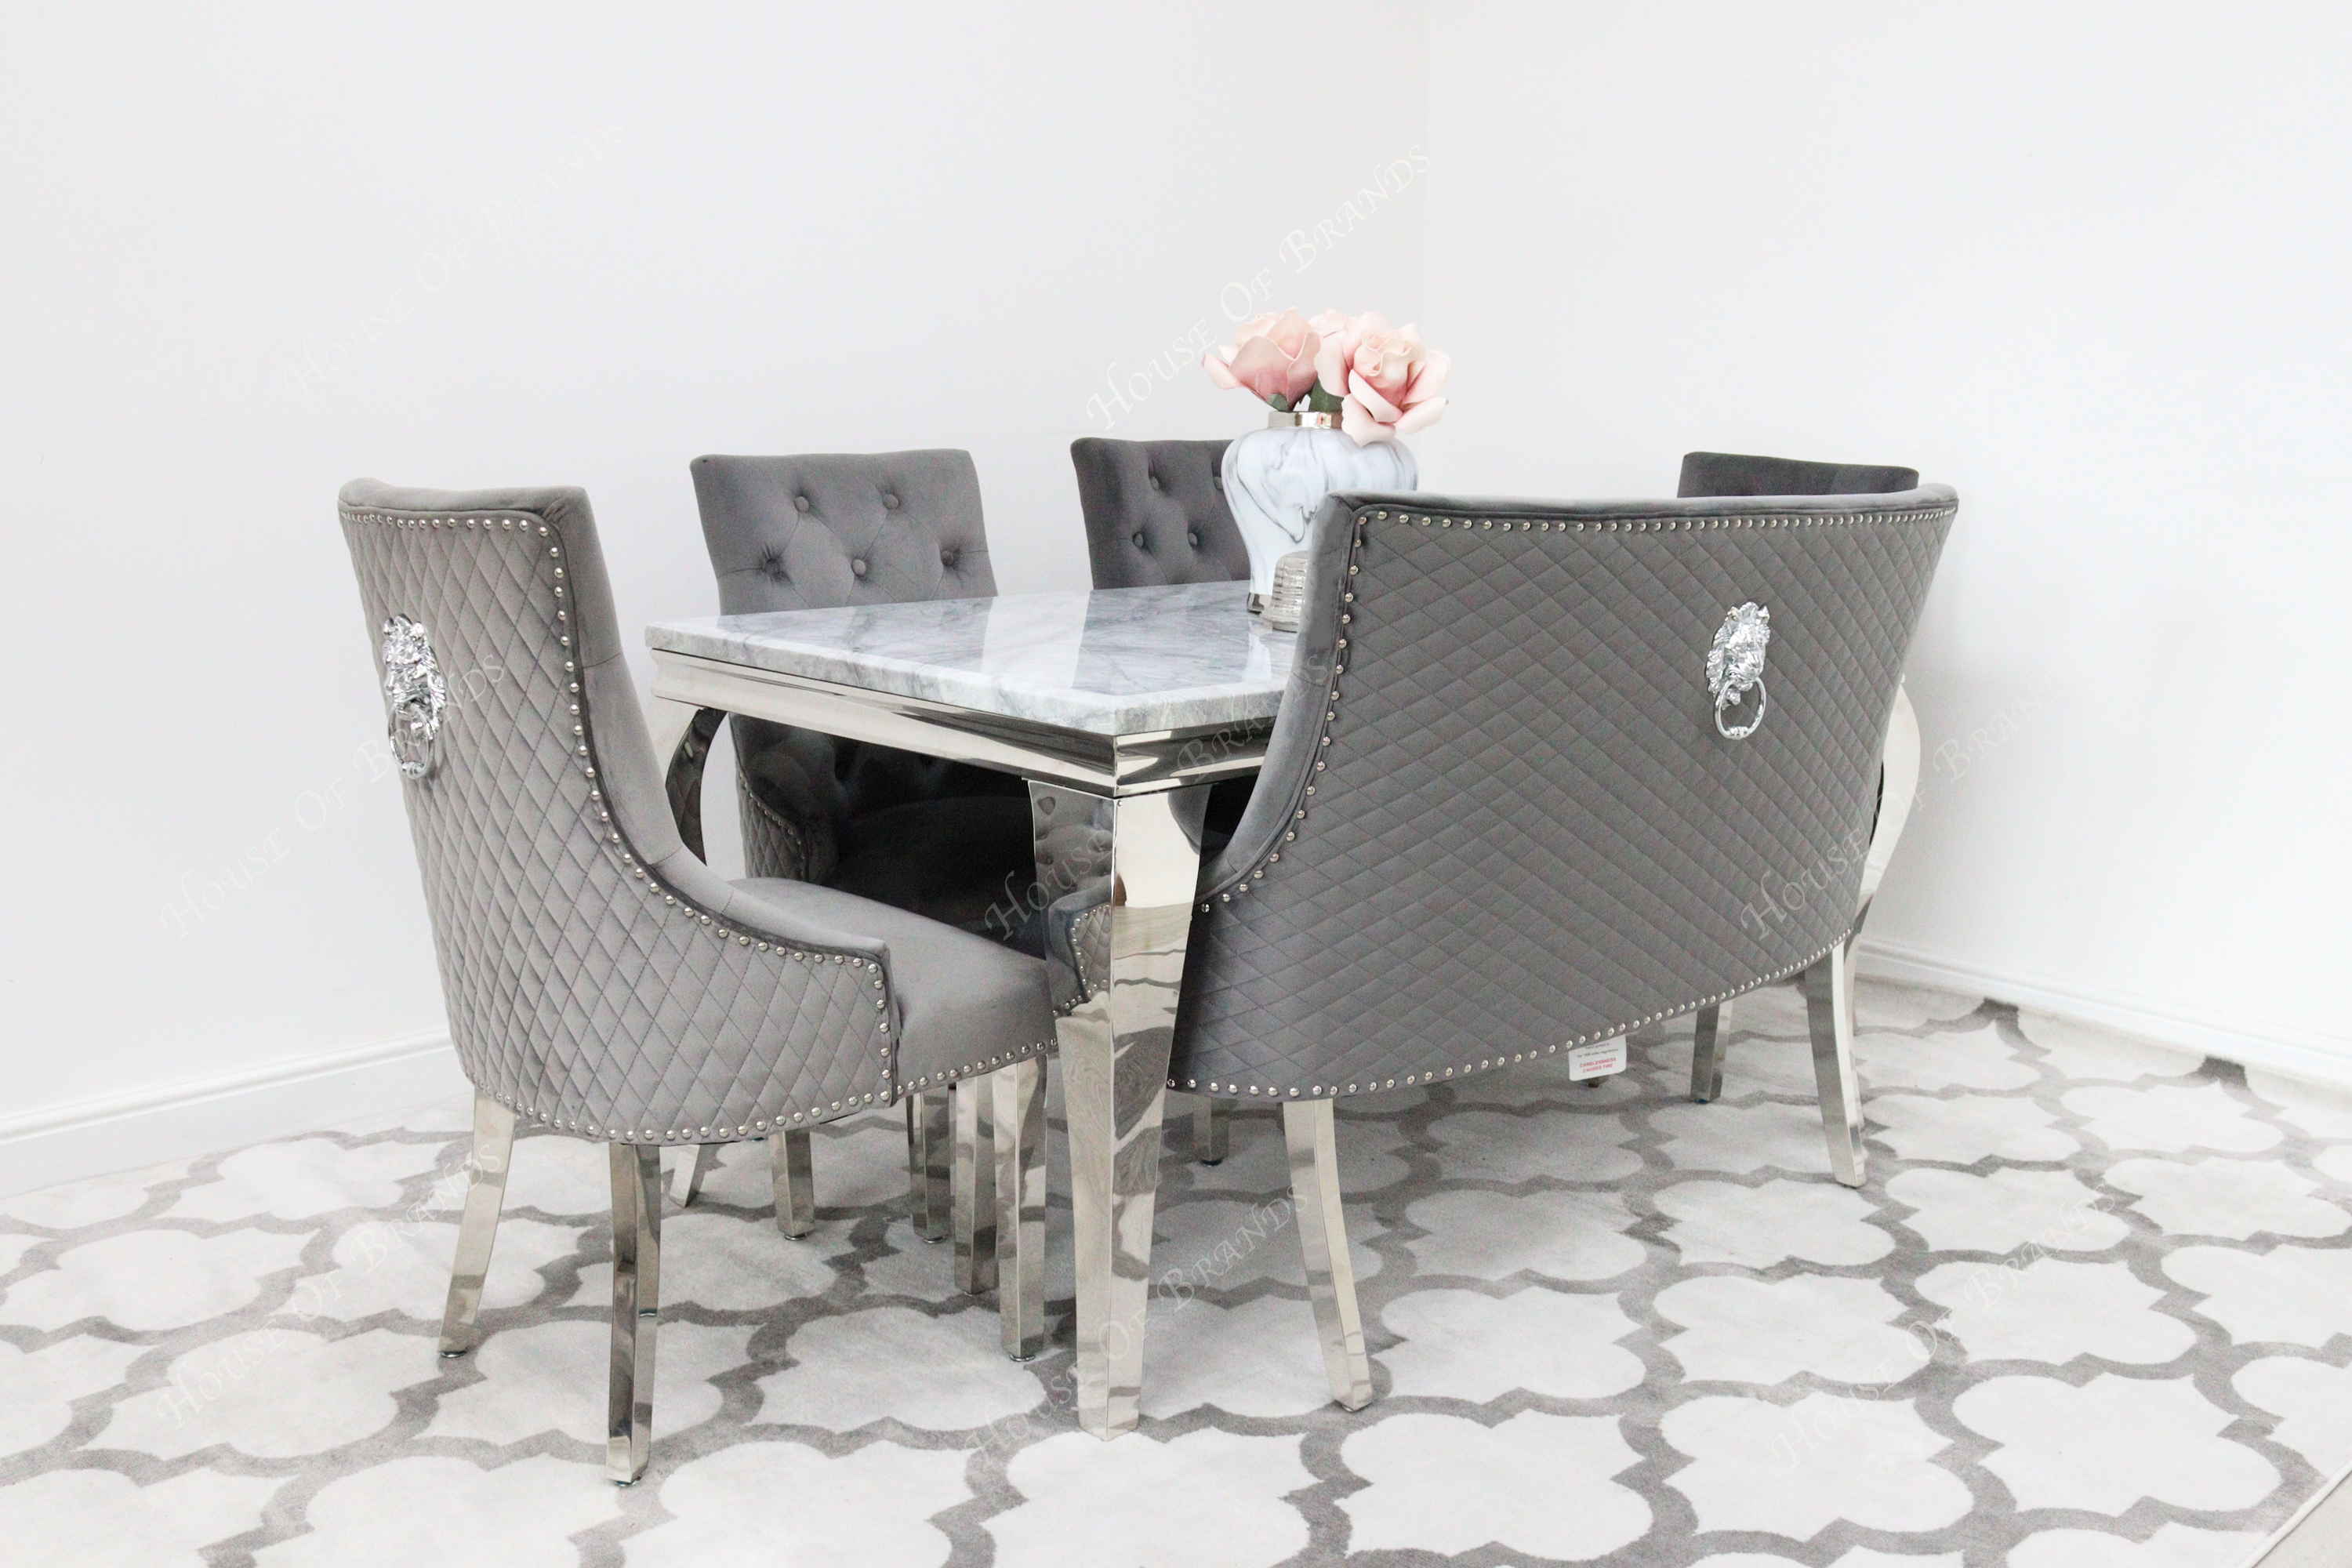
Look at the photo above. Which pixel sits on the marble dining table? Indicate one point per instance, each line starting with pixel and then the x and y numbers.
pixel 1120 707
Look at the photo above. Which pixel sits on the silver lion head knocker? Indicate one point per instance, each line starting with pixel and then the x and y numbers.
pixel 1736 663
pixel 413 683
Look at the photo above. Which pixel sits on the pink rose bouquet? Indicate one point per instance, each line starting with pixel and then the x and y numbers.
pixel 1384 382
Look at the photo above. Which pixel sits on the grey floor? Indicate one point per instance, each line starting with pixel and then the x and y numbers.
pixel 2092 1310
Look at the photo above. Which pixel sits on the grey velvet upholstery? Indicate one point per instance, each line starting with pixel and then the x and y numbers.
pixel 1731 474
pixel 944 839
pixel 599 979
pixel 1496 818
pixel 1156 512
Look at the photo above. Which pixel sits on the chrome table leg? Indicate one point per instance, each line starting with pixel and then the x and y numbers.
pixel 1213 1121
pixel 1115 971
pixel 1306 1125
pixel 1829 1010
pixel 1707 1055
pixel 1020 1150
pixel 794 1182
pixel 693 1166
pixel 929 1158
pixel 486 1192
pixel 636 1308
pixel 974 1197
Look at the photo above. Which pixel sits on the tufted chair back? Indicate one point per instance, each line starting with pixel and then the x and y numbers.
pixel 818 532
pixel 1497 819
pixel 599 979
pixel 1156 512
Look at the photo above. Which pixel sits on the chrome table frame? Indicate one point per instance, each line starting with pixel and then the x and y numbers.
pixel 1115 973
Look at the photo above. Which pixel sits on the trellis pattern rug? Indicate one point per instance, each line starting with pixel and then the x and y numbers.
pixel 2092 1310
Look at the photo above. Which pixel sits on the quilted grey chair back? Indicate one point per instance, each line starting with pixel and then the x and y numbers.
pixel 1497 820
pixel 819 531
pixel 599 978
pixel 1156 512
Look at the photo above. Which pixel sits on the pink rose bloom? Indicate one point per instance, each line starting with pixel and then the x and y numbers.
pixel 1393 382
pixel 1339 333
pixel 1272 355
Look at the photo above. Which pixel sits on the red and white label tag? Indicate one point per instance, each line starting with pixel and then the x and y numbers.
pixel 1597 1061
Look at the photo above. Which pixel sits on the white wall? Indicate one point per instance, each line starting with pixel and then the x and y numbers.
pixel 250 254
pixel 2085 263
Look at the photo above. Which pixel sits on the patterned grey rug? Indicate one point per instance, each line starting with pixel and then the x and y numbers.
pixel 2092 1310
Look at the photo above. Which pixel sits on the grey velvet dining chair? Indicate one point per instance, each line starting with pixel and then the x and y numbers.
pixel 602 983
pixel 1533 762
pixel 943 839
pixel 1155 514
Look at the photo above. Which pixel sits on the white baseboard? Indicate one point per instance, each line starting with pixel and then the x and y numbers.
pixel 201 1116
pixel 2300 1053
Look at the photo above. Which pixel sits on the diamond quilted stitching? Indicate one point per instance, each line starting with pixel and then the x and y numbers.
pixel 576 992
pixel 1527 830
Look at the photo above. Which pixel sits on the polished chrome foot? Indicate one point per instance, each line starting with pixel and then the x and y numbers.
pixel 1707 1055
pixel 636 1308
pixel 795 1182
pixel 1323 1240
pixel 928 1161
pixel 974 1197
pixel 1213 1121
pixel 1829 1009
pixel 485 1191
pixel 693 1166
pixel 1018 1124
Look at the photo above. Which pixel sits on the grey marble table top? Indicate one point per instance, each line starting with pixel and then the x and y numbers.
pixel 1112 661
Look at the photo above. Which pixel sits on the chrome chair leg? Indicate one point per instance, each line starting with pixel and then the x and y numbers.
pixel 928 1162
pixel 973 1188
pixel 1829 1011
pixel 1212 1120
pixel 1707 1055
pixel 486 1192
pixel 795 1182
pixel 636 1308
pixel 693 1165
pixel 1020 1151
pixel 1323 1239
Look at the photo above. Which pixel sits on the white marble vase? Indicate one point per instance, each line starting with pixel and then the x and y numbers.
pixel 1276 478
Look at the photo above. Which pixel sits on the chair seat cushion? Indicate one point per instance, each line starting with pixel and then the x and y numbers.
pixel 967 861
pixel 963 1000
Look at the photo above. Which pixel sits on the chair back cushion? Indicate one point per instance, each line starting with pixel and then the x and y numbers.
pixel 1156 512
pixel 1729 474
pixel 1497 820
pixel 599 979
pixel 819 531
